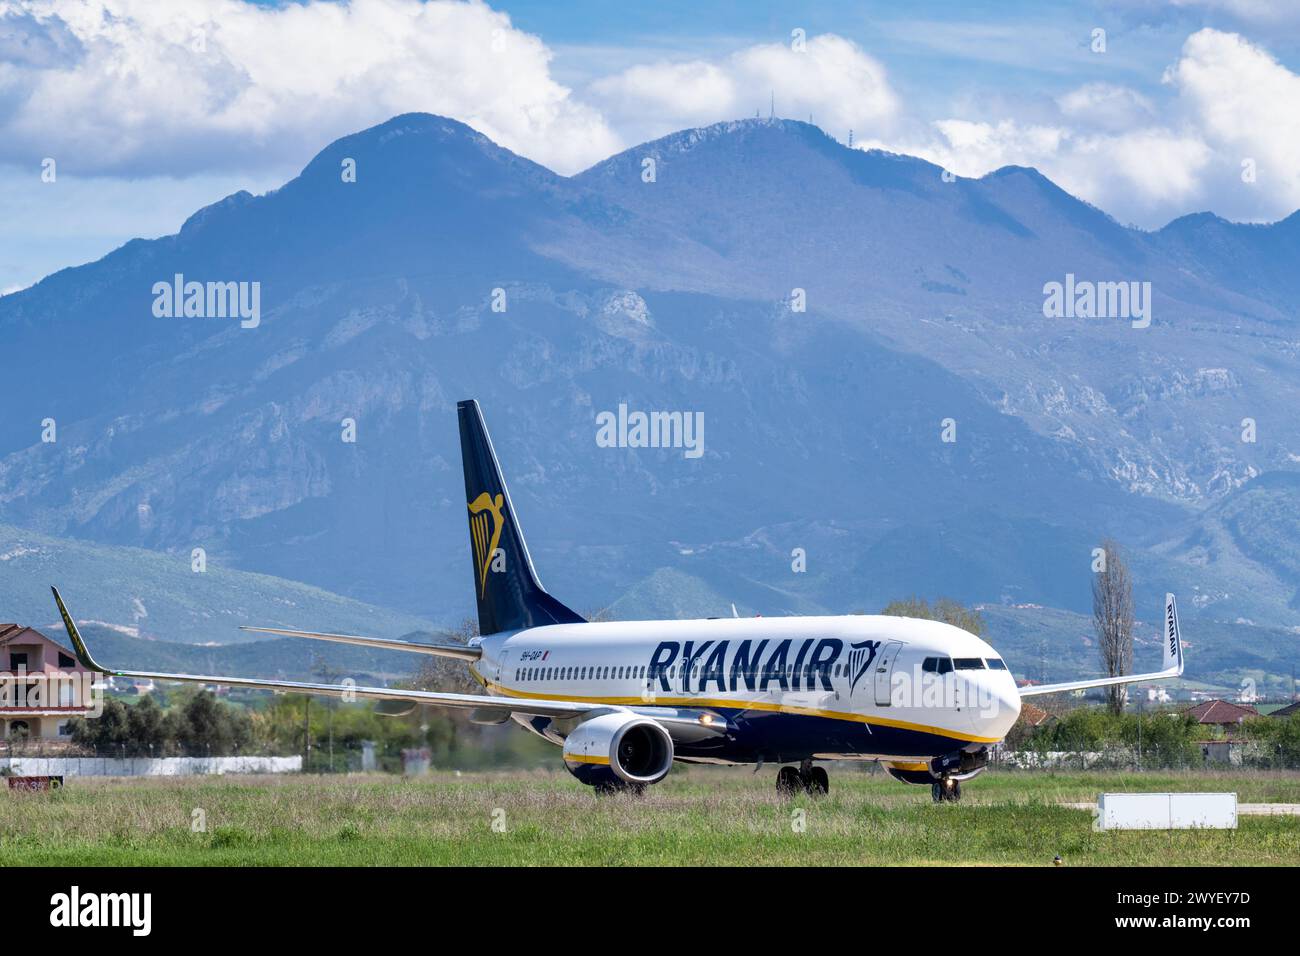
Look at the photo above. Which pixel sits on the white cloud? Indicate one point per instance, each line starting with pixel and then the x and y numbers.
pixel 137 87
pixel 1246 105
pixel 205 92
pixel 1140 171
pixel 831 79
pixel 1106 106
pixel 973 148
pixel 1229 101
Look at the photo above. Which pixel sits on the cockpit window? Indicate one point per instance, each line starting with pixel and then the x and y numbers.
pixel 968 663
pixel 995 664
pixel 937 665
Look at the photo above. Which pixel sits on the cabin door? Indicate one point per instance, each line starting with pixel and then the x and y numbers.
pixel 885 667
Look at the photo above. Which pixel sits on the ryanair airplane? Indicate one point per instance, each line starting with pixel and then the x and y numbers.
pixel 625 699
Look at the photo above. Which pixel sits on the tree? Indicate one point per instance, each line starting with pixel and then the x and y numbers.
pixel 1112 617
pixel 444 673
pixel 206 727
pixel 944 609
pixel 145 732
pixel 107 734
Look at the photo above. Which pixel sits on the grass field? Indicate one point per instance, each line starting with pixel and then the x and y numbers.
pixel 700 816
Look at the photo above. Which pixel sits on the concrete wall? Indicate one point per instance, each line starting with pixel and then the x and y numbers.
pixel 145 766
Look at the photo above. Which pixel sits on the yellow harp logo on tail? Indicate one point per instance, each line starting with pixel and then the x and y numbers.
pixel 485 524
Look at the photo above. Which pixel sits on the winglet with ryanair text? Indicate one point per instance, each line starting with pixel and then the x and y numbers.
pixel 78 645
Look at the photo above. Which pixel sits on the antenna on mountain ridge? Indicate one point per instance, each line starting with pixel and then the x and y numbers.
pixel 772 115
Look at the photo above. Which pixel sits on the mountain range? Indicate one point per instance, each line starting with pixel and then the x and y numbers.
pixel 833 313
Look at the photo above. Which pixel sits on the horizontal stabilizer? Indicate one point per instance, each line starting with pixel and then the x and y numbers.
pixel 458 651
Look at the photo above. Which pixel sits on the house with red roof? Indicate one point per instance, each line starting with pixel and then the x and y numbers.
pixel 1221 713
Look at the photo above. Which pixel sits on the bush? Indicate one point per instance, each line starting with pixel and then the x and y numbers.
pixel 1159 740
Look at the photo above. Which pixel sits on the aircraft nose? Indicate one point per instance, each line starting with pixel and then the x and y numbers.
pixel 999 708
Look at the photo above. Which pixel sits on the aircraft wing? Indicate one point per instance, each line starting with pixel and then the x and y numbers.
pixel 1173 661
pixel 541 708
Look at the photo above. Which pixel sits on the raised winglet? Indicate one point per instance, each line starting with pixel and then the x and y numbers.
pixel 1173 654
pixel 78 645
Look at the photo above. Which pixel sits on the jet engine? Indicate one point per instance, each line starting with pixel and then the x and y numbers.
pixel 618 750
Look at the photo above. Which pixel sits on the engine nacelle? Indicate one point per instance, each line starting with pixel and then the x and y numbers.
pixel 617 749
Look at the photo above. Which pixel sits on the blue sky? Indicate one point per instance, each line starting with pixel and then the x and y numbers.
pixel 151 110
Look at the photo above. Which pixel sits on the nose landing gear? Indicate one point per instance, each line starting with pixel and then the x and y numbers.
pixel 807 779
pixel 946 790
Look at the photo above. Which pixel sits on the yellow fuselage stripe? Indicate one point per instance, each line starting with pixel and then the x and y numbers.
pixel 744 705
pixel 587 758
pixel 909 766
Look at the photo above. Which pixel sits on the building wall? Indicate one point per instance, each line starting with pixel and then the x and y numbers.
pixel 38 728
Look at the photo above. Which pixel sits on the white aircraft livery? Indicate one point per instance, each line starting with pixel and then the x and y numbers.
pixel 625 699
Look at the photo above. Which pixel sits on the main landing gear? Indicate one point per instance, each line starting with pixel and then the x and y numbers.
pixel 806 779
pixel 946 790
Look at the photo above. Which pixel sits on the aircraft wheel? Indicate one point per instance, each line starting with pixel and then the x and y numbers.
pixel 788 782
pixel 816 781
pixel 945 791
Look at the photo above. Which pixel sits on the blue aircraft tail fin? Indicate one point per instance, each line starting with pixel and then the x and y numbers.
pixel 509 595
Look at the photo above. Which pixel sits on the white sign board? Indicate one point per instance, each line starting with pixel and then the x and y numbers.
pixel 1167 811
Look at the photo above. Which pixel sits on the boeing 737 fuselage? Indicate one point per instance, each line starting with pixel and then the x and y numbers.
pixel 625 699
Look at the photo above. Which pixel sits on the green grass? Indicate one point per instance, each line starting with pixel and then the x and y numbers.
pixel 704 816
